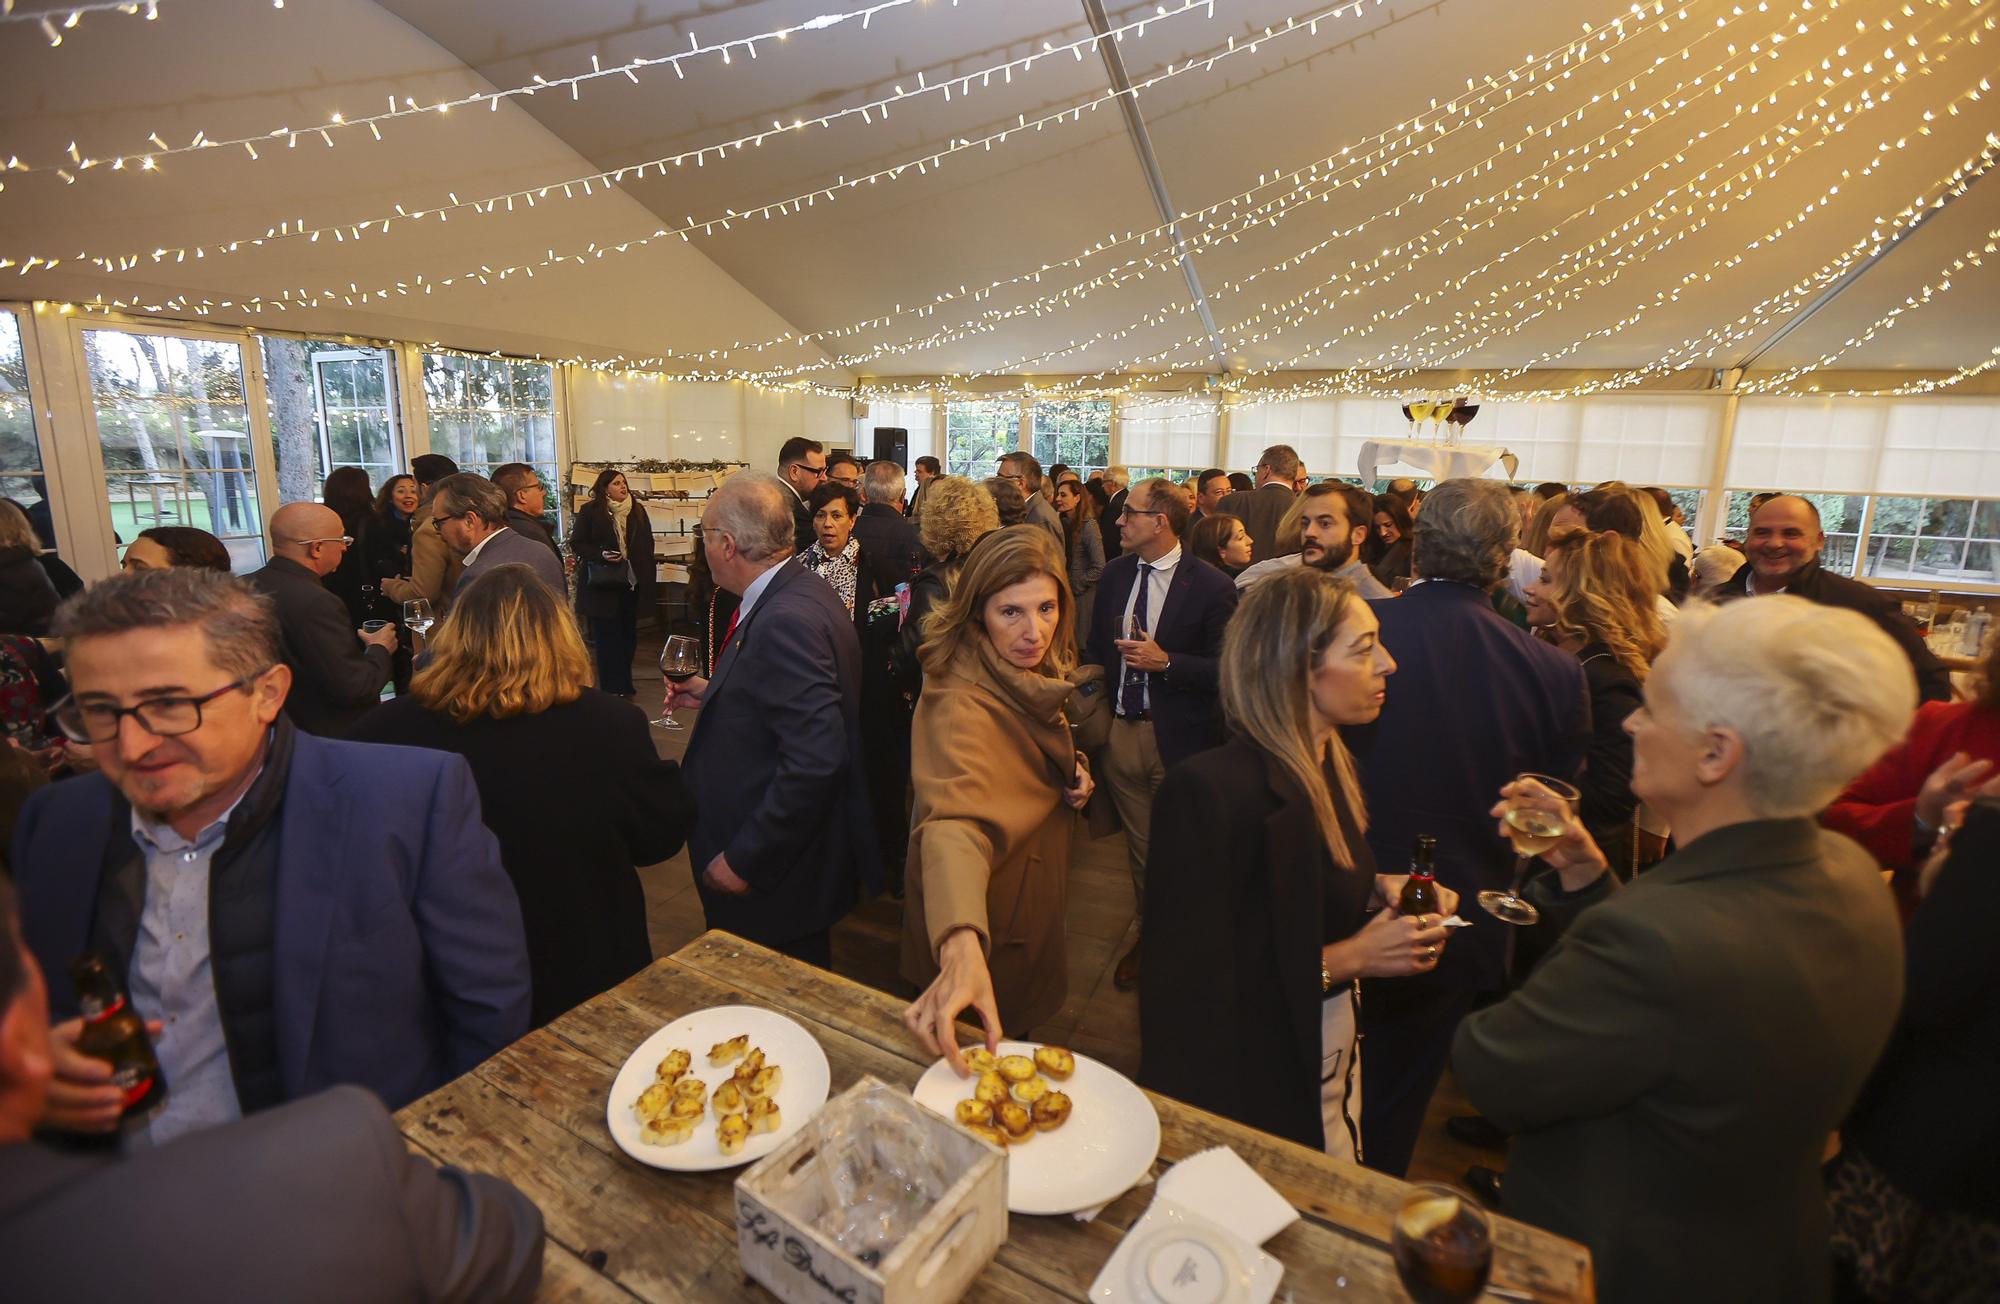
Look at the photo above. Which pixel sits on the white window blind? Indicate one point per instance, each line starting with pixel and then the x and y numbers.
pixel 1165 430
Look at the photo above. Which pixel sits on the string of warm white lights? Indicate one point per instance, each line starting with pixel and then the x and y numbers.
pixel 54 22
pixel 354 295
pixel 336 124
pixel 1415 251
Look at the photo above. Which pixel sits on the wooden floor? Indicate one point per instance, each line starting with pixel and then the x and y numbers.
pixel 1097 1019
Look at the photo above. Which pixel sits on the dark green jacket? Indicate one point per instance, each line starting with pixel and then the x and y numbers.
pixel 1674 1067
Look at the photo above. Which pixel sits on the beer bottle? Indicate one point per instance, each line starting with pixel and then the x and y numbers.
pixel 114 1032
pixel 1420 891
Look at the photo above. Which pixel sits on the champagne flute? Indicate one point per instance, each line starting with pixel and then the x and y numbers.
pixel 680 660
pixel 1536 820
pixel 418 616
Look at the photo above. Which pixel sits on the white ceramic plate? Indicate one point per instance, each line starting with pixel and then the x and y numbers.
pixel 1111 1139
pixel 801 1091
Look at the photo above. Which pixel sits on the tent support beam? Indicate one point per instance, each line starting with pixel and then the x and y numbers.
pixel 1142 145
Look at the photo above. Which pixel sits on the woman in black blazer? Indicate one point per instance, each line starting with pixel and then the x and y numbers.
pixel 1259 886
pixel 1387 551
pixel 613 541
pixel 27 595
pixel 569 780
pixel 1596 599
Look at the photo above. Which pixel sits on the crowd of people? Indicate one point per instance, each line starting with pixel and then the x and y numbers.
pixel 1754 925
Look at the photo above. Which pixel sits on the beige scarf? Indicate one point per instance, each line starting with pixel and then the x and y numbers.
pixel 620 512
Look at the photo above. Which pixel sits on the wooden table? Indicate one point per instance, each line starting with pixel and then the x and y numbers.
pixel 619 1230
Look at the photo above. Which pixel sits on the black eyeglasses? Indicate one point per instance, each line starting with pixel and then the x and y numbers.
pixel 1129 510
pixel 163 717
pixel 437 522
pixel 818 472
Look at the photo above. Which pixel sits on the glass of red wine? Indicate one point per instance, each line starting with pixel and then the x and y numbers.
pixel 680 660
pixel 1442 1243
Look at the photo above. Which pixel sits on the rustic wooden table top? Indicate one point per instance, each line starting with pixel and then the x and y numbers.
pixel 619 1230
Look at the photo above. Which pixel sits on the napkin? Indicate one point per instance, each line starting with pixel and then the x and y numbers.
pixel 1220 1187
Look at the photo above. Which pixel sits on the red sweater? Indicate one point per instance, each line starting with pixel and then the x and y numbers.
pixel 1878 810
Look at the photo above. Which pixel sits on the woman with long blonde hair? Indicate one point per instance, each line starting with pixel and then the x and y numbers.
pixel 568 778
pixel 1260 881
pixel 1597 599
pixel 998 785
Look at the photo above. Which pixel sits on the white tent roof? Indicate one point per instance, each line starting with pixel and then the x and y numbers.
pixel 1611 219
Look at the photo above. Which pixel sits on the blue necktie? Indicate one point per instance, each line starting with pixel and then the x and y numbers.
pixel 1132 692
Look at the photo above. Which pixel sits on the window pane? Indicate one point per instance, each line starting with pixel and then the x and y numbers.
pixel 1075 432
pixel 19 450
pixel 1940 541
pixel 485 412
pixel 976 434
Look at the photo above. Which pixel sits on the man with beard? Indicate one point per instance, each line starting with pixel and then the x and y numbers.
pixel 1331 521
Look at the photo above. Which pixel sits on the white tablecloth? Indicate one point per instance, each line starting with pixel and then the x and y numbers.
pixel 1442 461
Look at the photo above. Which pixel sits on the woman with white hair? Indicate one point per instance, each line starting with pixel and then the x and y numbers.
pixel 1672 1070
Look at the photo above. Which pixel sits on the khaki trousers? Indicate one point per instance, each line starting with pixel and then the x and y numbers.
pixel 1133 773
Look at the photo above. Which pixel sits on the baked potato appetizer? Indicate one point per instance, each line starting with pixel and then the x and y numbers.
pixel 724 1051
pixel 1016 1121
pixel 1015 1068
pixel 1051 1111
pixel 992 1089
pixel 974 1111
pixel 1031 1091
pixel 978 1059
pixel 1055 1061
pixel 987 1132
pixel 731 1133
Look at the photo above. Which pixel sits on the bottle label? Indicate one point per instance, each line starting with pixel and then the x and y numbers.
pixel 93 1012
pixel 134 1083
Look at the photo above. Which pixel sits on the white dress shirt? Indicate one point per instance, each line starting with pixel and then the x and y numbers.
pixel 480 547
pixel 1158 581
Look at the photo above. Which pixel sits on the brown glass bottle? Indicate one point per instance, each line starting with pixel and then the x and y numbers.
pixel 114 1032
pixel 1420 890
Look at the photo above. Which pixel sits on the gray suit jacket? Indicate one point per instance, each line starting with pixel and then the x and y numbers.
pixel 1043 513
pixel 1674 1066
pixel 510 545
pixel 1260 510
pixel 313 1201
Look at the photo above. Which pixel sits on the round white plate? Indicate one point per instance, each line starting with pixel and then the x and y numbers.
pixel 1111 1139
pixel 801 1091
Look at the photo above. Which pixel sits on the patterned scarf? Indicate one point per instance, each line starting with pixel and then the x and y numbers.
pixel 837 569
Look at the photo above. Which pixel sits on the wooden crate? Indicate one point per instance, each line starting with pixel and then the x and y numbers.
pixel 937 1261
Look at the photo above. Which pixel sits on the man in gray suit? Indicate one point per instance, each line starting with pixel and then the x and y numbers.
pixel 1261 509
pixel 1672 1068
pixel 1024 470
pixel 782 833
pixel 470 511
pixel 318 1200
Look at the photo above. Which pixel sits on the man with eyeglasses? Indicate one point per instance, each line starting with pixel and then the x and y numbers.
pixel 470 511
pixel 1024 470
pixel 1157 631
pixel 802 466
pixel 290 912
pixel 335 678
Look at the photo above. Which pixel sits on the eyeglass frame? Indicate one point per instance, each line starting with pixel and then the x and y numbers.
pixel 437 522
pixel 1129 510
pixel 69 703
pixel 344 540
pixel 820 472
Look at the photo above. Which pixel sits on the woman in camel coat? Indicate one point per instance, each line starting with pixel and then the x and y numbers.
pixel 998 786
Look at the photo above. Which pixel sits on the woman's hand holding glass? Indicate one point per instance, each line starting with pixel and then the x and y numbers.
pixel 1389 945
pixel 963 982
pixel 1575 856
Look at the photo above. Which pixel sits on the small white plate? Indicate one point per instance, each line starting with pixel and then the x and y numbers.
pixel 1110 1140
pixel 1173 1256
pixel 801 1091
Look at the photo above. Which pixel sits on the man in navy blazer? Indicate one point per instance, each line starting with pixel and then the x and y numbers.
pixel 782 834
pixel 1163 683
pixel 295 912
pixel 1474 702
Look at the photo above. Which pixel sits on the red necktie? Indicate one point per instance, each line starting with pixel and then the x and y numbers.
pixel 729 633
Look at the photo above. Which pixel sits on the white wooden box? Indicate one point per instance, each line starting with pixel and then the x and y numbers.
pixel 951 1244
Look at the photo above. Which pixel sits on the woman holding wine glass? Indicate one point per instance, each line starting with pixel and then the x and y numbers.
pixel 613 542
pixel 569 780
pixel 1672 1069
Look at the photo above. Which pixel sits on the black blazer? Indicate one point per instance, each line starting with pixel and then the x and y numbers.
pixel 1107 525
pixel 1474 702
pixel 776 770
pixel 335 677
pixel 803 533
pixel 27 594
pixel 578 798
pixel 1260 510
pixel 592 536
pixel 1606 781
pixel 889 546
pixel 1187 717
pixel 1237 909
pixel 1814 583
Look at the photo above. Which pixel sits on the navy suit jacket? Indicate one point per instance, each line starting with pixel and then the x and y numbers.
pixel 515 547
pixel 1474 702
pixel 398 956
pixel 1187 717
pixel 775 766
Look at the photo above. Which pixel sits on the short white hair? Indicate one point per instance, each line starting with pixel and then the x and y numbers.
pixel 882 483
pixel 1816 693
pixel 1715 567
pixel 753 508
pixel 1117 477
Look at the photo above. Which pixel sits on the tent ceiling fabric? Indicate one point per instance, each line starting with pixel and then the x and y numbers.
pixel 1604 221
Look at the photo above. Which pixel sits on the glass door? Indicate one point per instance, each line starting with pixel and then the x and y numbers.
pixel 355 390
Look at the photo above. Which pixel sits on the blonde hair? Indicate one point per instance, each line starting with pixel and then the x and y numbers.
pixel 507 647
pixel 1282 627
pixel 1000 561
pixel 15 532
pixel 956 512
pixel 1816 693
pixel 1604 594
pixel 1536 540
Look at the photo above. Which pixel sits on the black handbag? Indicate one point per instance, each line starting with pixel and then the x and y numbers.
pixel 609 576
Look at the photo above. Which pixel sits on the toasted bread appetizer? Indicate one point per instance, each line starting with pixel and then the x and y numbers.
pixel 751 1064
pixel 688 1107
pixel 731 1133
pixel 729 1098
pixel 765 1084
pixel 674 1065
pixel 978 1059
pixel 987 1132
pixel 653 1101
pixel 1051 1111
pixel 992 1089
pixel 974 1111
pixel 724 1051
pixel 764 1116
pixel 1015 1068
pixel 690 1089
pixel 1016 1121
pixel 1055 1062
pixel 1032 1090
pixel 666 1130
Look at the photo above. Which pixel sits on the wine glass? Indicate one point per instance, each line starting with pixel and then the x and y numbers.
pixel 1419 411
pixel 1536 820
pixel 1461 416
pixel 1410 415
pixel 680 660
pixel 418 616
pixel 1441 415
pixel 1442 1243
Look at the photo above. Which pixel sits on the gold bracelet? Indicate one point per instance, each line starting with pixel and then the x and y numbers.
pixel 1325 977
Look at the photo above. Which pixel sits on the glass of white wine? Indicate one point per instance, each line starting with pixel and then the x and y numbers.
pixel 417 615
pixel 1537 817
pixel 680 660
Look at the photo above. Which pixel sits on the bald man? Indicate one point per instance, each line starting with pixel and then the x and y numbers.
pixel 1784 550
pixel 337 670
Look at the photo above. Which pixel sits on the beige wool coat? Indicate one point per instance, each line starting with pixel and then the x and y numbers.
pixel 990 835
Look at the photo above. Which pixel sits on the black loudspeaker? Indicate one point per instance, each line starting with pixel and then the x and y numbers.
pixel 892 444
